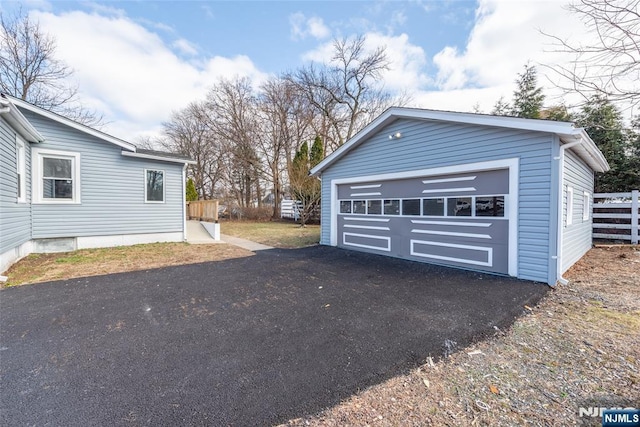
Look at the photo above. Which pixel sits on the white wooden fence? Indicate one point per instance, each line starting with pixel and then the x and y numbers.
pixel 615 216
pixel 290 209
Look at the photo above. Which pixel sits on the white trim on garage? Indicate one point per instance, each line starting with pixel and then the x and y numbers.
pixel 511 204
pixel 488 251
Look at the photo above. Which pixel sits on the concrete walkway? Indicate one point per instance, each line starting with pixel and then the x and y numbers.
pixel 244 243
pixel 197 235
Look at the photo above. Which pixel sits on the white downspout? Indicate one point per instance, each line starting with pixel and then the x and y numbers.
pixel 558 256
pixel 184 203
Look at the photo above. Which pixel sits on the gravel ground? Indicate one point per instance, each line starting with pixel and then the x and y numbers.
pixel 577 348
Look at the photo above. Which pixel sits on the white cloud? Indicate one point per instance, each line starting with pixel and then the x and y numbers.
pixel 407 62
pixel 398 18
pixel 302 27
pixel 185 46
pixel 129 73
pixel 506 36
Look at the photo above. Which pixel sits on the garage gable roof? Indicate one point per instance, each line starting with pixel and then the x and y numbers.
pixel 566 131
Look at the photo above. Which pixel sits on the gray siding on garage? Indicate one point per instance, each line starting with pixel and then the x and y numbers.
pixel 15 223
pixel 112 190
pixel 576 238
pixel 429 144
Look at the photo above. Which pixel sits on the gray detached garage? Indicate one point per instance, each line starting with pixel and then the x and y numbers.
pixel 496 194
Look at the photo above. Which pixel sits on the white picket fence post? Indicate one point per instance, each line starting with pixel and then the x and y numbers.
pixel 634 216
pixel 617 201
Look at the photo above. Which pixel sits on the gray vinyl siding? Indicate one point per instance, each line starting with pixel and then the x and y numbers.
pixel 429 144
pixel 111 188
pixel 15 218
pixel 576 238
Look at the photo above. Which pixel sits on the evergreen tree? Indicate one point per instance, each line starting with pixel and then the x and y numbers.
pixel 631 167
pixel 317 152
pixel 501 107
pixel 603 122
pixel 191 192
pixel 558 113
pixel 528 98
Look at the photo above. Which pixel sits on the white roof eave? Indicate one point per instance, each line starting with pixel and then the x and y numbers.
pixel 159 158
pixel 587 150
pixel 19 122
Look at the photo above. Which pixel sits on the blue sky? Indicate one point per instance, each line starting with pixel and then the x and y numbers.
pixel 137 61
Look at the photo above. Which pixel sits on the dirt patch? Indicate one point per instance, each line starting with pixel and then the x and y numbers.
pixel 577 348
pixel 93 262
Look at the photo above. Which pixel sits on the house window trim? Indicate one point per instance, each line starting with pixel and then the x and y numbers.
pixel 586 204
pixel 569 219
pixel 37 173
pixel 164 186
pixel 21 170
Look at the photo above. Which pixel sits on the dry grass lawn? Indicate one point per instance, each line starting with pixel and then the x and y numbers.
pixel 92 262
pixel 283 234
pixel 578 347
pixel 38 268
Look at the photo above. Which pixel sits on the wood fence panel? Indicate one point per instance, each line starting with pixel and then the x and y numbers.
pixel 616 216
pixel 203 210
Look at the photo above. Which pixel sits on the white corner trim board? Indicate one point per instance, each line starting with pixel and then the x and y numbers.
pixel 14 255
pixel 511 208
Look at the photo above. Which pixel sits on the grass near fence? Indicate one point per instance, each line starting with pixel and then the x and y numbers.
pixel 280 234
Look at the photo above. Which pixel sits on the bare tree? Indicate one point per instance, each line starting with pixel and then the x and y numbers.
pixel 609 66
pixel 189 132
pixel 232 109
pixel 345 93
pixel 30 71
pixel 284 124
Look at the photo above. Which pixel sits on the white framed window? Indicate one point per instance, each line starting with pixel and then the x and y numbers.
pixel 56 176
pixel 154 189
pixel 569 219
pixel 21 168
pixel 586 206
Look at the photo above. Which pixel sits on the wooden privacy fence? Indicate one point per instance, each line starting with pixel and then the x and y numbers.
pixel 615 216
pixel 203 210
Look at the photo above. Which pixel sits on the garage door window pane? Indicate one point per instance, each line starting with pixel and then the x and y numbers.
pixel 359 206
pixel 374 207
pixel 434 207
pixel 411 207
pixel 459 206
pixel 392 207
pixel 490 206
pixel 345 206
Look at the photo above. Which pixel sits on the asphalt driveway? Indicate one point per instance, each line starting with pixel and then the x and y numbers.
pixel 250 341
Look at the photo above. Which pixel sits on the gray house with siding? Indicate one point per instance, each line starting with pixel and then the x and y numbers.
pixel 65 186
pixel 496 194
